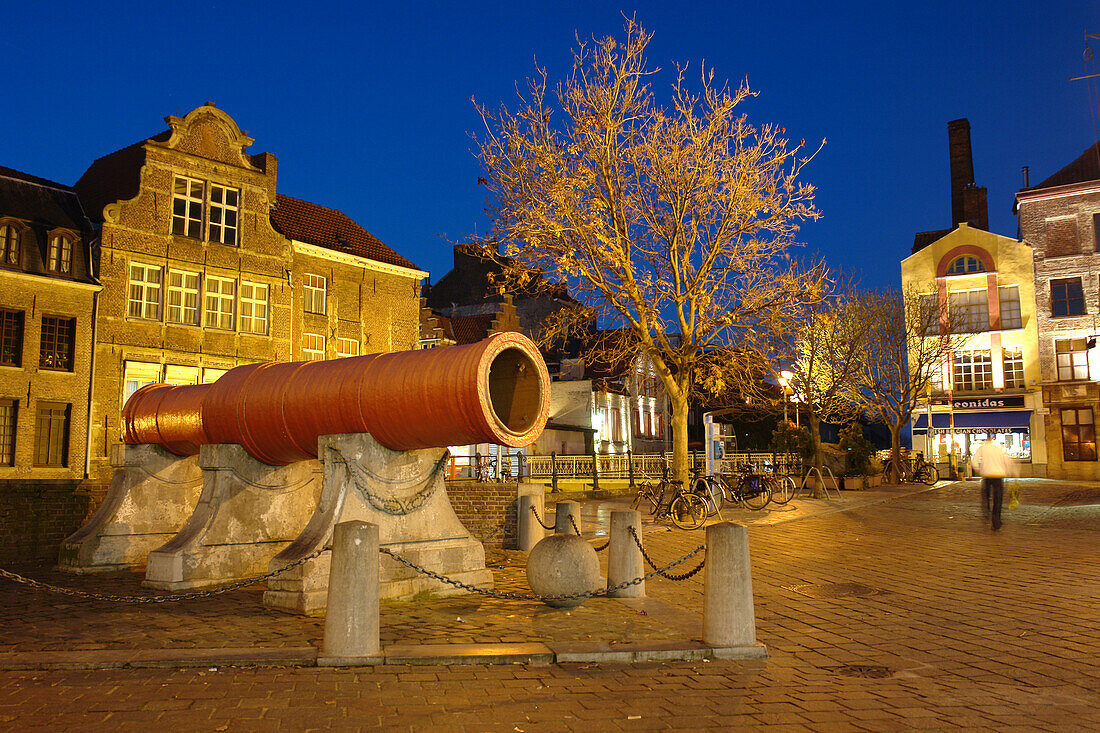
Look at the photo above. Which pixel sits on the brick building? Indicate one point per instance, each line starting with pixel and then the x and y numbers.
pixel 989 386
pixel 47 306
pixel 1060 219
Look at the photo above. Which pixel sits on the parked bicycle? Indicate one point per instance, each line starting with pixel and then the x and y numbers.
pixel 747 487
pixel 670 499
pixel 916 470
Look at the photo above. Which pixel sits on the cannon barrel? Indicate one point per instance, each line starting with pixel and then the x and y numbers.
pixel 493 391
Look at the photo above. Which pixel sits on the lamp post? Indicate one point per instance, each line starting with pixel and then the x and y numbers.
pixel 785 383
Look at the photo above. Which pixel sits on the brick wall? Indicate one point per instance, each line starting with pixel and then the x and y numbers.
pixel 36 516
pixel 488 511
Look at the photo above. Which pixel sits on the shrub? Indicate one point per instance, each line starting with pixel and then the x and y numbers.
pixel 860 451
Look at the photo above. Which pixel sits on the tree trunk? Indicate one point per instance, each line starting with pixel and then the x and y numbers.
pixel 895 453
pixel 815 441
pixel 680 469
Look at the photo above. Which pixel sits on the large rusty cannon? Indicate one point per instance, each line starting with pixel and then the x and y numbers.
pixel 494 391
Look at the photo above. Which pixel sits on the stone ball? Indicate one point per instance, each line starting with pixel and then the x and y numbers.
pixel 562 564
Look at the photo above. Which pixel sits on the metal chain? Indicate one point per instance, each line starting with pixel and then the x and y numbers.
pixel 573 521
pixel 681 576
pixel 534 596
pixel 576 529
pixel 171 598
pixel 539 520
pixel 390 505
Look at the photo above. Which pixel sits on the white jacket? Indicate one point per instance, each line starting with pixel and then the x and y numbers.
pixel 989 461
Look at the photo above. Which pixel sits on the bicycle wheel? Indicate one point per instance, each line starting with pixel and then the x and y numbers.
pixel 646 495
pixel 755 492
pixel 784 489
pixel 709 493
pixel 928 474
pixel 688 511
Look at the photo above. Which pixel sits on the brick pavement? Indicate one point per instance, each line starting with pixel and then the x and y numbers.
pixel 969 629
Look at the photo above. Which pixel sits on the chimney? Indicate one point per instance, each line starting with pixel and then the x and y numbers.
pixel 968 201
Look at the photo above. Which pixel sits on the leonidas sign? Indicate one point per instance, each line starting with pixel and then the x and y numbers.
pixel 982 403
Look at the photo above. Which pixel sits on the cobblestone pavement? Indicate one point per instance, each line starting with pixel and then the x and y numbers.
pixel 881 611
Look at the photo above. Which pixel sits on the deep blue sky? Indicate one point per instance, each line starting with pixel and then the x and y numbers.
pixel 368 108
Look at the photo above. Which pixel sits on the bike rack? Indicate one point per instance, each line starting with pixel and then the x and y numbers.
pixel 820 479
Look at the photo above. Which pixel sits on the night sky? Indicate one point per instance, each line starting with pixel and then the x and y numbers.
pixel 367 105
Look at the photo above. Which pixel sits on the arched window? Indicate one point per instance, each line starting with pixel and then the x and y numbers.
pixel 965 265
pixel 10 236
pixel 60 256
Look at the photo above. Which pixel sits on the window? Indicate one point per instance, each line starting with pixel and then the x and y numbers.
pixel 187 198
pixel 1062 237
pixel 347 347
pixel 10 238
pixel 11 338
pixel 1009 297
pixel 1066 297
pixel 220 294
pixel 313 346
pixel 970 310
pixel 211 374
pixel 51 434
pixel 1072 357
pixel 965 265
pixel 137 374
pixel 615 423
pixel 57 343
pixel 223 214
pixel 183 297
pixel 973 371
pixel 929 315
pixel 145 291
pixel 60 256
pixel 314 294
pixel 253 308
pixel 1014 368
pixel 1078 434
pixel 9 412
pixel 176 374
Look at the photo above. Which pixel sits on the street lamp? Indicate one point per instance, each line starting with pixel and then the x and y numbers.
pixel 785 382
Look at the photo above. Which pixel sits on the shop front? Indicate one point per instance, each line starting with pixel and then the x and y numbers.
pixel 959 427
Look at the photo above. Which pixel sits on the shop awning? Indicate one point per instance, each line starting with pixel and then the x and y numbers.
pixel 1005 421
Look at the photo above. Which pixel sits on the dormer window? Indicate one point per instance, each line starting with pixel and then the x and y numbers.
pixel 60 255
pixel 196 205
pixel 10 239
pixel 965 265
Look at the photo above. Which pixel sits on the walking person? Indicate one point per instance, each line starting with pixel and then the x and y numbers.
pixel 991 463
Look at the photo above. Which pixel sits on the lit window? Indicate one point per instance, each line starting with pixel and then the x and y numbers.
pixel 60 255
pixel 10 238
pixel 1072 357
pixel 930 314
pixel 313 294
pixel 973 371
pixel 51 435
pixel 224 204
pixel 1009 296
pixel 1014 368
pixel 313 346
pixel 970 310
pixel 11 338
pixel 347 347
pixel 187 199
pixel 211 374
pixel 965 265
pixel 9 411
pixel 220 295
pixel 137 374
pixel 1078 434
pixel 57 343
pixel 1067 297
pixel 183 297
pixel 253 308
pixel 177 374
pixel 145 292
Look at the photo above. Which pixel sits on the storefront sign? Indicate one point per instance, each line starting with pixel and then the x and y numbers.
pixel 982 403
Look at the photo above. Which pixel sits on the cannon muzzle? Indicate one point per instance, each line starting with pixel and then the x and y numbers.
pixel 494 391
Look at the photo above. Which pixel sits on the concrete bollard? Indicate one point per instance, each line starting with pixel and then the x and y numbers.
pixel 528 529
pixel 729 621
pixel 351 621
pixel 624 559
pixel 564 510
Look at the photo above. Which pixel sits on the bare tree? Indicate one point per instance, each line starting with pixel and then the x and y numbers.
pixel 672 222
pixel 912 339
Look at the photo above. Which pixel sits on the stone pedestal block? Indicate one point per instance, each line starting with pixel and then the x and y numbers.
pixel 402 492
pixel 152 494
pixel 247 513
